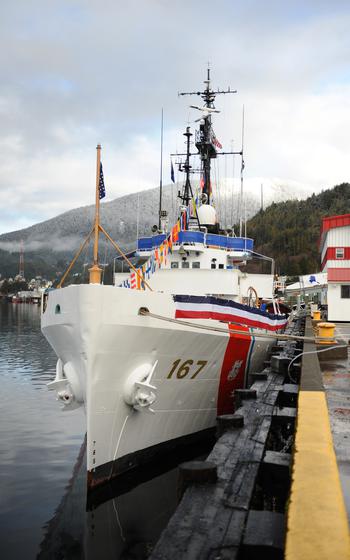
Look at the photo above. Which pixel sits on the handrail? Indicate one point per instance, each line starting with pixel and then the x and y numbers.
pixel 226 242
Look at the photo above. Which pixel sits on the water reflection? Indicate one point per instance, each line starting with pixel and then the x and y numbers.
pixel 121 520
pixel 39 443
pixel 39 446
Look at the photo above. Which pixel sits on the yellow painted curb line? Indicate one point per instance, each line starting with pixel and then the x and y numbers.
pixel 317 526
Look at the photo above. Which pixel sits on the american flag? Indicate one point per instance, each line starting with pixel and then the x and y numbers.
pixel 101 185
pixel 216 142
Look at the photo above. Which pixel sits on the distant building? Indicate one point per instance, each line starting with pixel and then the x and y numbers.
pixel 39 282
pixel 335 259
pixel 309 288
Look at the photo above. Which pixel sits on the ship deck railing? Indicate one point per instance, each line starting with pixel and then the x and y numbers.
pixel 210 240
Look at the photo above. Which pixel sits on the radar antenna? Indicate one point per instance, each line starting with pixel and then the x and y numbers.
pixel 205 139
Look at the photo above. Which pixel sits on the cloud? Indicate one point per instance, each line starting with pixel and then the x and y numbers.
pixel 75 73
pixel 57 244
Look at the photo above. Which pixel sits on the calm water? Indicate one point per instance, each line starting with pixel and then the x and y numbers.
pixel 43 509
pixel 39 443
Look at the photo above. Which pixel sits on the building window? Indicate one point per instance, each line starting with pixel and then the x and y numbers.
pixel 196 264
pixel 345 291
pixel 339 252
pixel 185 264
pixel 174 264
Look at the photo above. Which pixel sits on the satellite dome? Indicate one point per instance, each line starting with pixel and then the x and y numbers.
pixel 207 215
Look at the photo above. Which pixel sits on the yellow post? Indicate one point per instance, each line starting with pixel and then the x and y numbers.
pixel 316 315
pixel 95 271
pixel 326 331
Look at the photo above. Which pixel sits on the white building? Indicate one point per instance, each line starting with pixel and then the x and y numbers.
pixel 335 259
pixel 310 288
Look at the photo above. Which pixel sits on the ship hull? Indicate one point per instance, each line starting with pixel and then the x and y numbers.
pixel 107 349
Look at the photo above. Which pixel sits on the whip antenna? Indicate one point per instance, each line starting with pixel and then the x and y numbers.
pixel 242 168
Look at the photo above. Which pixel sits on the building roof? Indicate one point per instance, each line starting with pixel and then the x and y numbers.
pixel 338 275
pixel 331 222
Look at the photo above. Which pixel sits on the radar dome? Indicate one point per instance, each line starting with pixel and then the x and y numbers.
pixel 206 215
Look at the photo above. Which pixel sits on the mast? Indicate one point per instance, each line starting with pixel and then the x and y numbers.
pixel 161 174
pixel 205 139
pixel 95 271
pixel 206 150
pixel 187 191
pixel 242 169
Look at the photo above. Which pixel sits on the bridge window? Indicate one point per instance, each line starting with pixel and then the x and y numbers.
pixel 185 264
pixel 221 266
pixel 196 264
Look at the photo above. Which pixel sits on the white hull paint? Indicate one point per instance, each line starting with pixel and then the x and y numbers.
pixel 102 342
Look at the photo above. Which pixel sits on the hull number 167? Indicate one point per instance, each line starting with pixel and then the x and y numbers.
pixel 188 367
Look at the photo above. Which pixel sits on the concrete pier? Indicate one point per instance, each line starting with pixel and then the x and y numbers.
pixel 336 382
pixel 317 525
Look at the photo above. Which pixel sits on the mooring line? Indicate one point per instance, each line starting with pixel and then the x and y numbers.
pixel 252 332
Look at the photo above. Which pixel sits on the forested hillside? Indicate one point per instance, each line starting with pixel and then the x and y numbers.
pixel 50 245
pixel 289 231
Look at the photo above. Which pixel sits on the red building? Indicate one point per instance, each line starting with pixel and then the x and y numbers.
pixel 335 259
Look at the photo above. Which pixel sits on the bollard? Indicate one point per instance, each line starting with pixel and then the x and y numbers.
pixel 228 422
pixel 245 394
pixel 326 331
pixel 316 315
pixel 258 376
pixel 201 472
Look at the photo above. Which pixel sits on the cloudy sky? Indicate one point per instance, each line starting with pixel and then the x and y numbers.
pixel 77 72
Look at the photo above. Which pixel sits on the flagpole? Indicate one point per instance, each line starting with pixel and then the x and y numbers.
pixel 95 271
pixel 161 175
pixel 241 192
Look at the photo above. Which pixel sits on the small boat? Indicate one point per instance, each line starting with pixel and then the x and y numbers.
pixel 156 357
